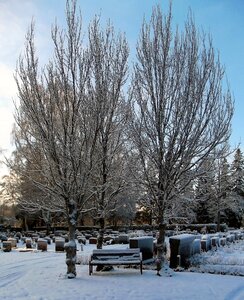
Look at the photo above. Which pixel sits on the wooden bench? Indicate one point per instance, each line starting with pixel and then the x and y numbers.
pixel 115 257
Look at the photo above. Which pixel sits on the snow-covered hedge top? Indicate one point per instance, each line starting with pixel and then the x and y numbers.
pixel 182 236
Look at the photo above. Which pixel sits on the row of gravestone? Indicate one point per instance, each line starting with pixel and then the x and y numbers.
pixel 33 240
pixel 110 236
pixel 39 243
pixel 183 246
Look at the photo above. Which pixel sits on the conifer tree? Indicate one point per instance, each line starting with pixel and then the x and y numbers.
pixel 237 173
pixel 204 190
pixel 237 184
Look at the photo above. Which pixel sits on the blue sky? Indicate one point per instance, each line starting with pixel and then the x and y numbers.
pixel 224 19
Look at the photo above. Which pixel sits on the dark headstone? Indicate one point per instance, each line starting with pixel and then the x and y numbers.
pixel 28 243
pixel 7 246
pixel 41 244
pixel 59 244
pixel 215 241
pixel 145 244
pixel 123 239
pixel 180 245
pixel 92 240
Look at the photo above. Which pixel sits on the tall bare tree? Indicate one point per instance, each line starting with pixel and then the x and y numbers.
pixel 70 122
pixel 109 55
pixel 56 116
pixel 181 111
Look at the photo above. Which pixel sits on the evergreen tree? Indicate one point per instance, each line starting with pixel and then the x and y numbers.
pixel 237 181
pixel 237 173
pixel 204 191
pixel 222 199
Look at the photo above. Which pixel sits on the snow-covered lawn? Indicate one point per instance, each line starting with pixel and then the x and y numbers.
pixel 41 275
pixel 226 260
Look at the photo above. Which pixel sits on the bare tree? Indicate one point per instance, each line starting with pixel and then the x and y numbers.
pixel 55 123
pixel 109 55
pixel 181 112
pixel 30 199
pixel 183 206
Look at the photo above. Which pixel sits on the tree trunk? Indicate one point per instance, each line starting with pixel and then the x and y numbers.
pixel 218 221
pixel 100 239
pixel 48 228
pixel 70 247
pixel 25 223
pixel 160 247
pixel 101 233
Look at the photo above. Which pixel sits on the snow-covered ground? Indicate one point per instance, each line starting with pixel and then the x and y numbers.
pixel 41 276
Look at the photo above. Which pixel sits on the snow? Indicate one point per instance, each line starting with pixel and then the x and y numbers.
pixel 71 244
pixel 37 275
pixel 183 236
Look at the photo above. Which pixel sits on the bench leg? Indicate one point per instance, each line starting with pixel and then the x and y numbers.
pixel 141 267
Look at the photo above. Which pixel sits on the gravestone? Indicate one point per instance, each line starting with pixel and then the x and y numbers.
pixel 180 245
pixel 28 243
pixel 41 244
pixel 230 238
pixel 7 246
pixel 145 244
pixel 215 241
pixel 92 240
pixel 59 244
pixel 13 242
pixel 206 243
pixel 123 238
pixel 196 247
pixel 222 241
